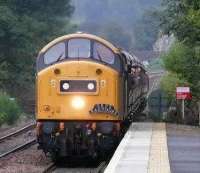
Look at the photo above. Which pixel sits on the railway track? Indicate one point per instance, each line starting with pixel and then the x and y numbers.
pixel 50 168
pixel 18 132
pixel 53 168
pixel 17 140
pixel 25 145
pixel 101 167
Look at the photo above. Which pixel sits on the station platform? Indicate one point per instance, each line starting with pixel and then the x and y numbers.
pixel 157 148
pixel 142 150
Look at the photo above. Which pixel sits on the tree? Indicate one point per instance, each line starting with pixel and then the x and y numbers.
pixel 182 61
pixel 169 83
pixel 182 17
pixel 117 35
pixel 26 26
pixel 146 30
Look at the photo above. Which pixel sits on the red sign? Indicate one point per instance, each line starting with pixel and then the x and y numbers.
pixel 183 93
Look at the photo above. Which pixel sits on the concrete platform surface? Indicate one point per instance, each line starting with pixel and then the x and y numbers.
pixel 157 148
pixel 184 148
pixel 142 150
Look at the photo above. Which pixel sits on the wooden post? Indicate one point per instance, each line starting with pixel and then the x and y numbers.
pixel 198 103
pixel 183 111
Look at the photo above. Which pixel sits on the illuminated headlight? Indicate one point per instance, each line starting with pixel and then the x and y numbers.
pixel 65 86
pixel 78 103
pixel 90 86
pixel 69 86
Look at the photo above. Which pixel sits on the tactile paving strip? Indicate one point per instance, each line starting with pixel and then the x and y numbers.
pixel 142 150
pixel 132 154
pixel 158 160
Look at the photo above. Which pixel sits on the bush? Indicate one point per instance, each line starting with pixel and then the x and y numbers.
pixel 2 117
pixel 9 109
pixel 155 117
pixel 169 82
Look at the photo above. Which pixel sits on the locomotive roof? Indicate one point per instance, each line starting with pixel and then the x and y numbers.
pixel 132 59
pixel 80 35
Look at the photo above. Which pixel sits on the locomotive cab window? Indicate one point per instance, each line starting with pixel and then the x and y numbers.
pixel 79 48
pixel 102 53
pixel 83 48
pixel 55 53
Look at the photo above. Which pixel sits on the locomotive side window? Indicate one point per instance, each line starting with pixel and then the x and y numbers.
pixel 55 53
pixel 79 48
pixel 102 53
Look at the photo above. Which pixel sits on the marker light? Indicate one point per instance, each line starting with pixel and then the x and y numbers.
pixel 39 128
pixel 61 126
pixel 65 86
pixel 90 86
pixel 78 102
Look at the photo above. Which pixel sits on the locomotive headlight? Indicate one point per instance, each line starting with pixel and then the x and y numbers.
pixel 78 103
pixel 65 86
pixel 90 86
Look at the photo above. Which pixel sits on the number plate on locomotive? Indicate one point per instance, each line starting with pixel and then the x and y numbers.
pixel 104 108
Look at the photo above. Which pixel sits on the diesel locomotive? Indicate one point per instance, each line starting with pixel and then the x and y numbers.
pixel 88 90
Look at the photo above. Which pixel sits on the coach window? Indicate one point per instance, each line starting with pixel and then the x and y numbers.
pixel 55 53
pixel 79 48
pixel 103 53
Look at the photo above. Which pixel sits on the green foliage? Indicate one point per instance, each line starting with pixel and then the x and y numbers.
pixel 181 17
pixel 9 109
pixel 169 83
pixel 178 58
pixel 155 117
pixel 155 64
pixel 2 118
pixel 158 104
pixel 26 26
pixel 182 61
pixel 112 31
pixel 146 30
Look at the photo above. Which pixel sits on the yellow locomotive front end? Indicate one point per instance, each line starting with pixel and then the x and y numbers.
pixel 79 96
pixel 78 90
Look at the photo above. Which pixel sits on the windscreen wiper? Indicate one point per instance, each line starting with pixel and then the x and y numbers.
pixel 60 56
pixel 99 56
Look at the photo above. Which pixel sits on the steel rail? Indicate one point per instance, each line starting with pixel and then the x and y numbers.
pixel 50 168
pixel 29 143
pixel 155 72
pixel 101 167
pixel 28 127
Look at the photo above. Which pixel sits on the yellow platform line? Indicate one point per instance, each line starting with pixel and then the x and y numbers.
pixel 158 158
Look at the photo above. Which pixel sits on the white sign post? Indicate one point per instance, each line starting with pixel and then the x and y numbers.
pixel 183 110
pixel 199 111
pixel 183 93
